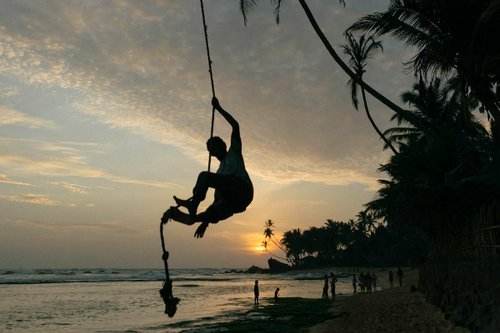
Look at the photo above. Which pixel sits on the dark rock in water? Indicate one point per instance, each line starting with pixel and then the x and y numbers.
pixel 276 266
pixel 256 270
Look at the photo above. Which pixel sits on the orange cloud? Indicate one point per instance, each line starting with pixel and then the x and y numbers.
pixel 31 198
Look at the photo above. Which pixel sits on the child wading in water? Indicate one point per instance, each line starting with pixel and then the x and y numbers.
pixel 276 294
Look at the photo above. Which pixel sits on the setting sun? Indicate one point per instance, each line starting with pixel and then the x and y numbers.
pixel 253 243
pixel 259 249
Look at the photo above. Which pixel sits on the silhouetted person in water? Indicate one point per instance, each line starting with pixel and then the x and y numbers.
pixel 391 279
pixel 333 281
pixel 276 294
pixel 256 292
pixel 325 288
pixel 233 187
pixel 400 276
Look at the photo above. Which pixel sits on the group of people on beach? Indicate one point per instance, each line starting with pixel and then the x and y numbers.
pixel 400 277
pixel 332 282
pixel 366 282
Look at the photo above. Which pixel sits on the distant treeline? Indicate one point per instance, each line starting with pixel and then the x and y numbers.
pixel 364 242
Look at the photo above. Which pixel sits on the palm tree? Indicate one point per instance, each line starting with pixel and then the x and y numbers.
pixel 247 5
pixel 439 178
pixel 269 236
pixel 293 242
pixel 366 222
pixel 453 38
pixel 438 108
pixel 359 51
pixel 431 107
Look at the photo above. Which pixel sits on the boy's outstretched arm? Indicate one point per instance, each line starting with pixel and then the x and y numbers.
pixel 235 135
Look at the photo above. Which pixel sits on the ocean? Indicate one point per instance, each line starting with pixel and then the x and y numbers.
pixel 128 300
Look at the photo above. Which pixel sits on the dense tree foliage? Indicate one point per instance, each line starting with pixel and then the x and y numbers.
pixel 445 166
pixel 360 242
pixel 448 162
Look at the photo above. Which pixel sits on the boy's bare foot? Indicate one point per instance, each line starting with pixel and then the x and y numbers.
pixel 190 204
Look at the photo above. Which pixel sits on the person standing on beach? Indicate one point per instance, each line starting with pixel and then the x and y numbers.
pixel 368 282
pixel 332 285
pixel 391 279
pixel 363 282
pixel 276 294
pixel 354 283
pixel 374 281
pixel 256 292
pixel 325 288
pixel 400 276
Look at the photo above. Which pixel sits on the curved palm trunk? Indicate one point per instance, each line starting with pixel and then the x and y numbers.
pixel 277 256
pixel 353 76
pixel 278 244
pixel 387 142
pixel 343 65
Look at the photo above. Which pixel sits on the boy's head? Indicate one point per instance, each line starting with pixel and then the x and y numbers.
pixel 216 147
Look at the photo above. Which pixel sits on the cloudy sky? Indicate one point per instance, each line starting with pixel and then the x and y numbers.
pixel 105 110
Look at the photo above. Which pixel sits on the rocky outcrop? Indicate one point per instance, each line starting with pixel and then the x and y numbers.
pixel 256 270
pixel 276 266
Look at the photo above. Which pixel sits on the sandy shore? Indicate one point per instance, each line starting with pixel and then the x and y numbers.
pixel 389 310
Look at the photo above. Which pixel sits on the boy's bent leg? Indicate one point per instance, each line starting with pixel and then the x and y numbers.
pixel 205 181
pixel 181 217
pixel 175 214
pixel 167 215
pixel 213 180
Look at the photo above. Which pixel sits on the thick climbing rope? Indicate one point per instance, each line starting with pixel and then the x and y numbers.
pixel 205 29
pixel 166 291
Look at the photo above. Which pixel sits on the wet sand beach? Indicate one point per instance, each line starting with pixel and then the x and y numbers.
pixel 392 310
pixel 389 310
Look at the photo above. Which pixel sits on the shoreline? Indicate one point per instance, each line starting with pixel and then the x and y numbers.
pixel 387 310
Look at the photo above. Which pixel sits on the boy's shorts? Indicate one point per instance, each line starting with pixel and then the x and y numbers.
pixel 229 201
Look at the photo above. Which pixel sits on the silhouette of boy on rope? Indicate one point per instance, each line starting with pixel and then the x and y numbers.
pixel 232 184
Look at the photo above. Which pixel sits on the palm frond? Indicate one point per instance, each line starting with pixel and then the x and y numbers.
pixel 276 11
pixel 358 50
pixel 354 93
pixel 408 22
pixel 245 7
